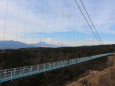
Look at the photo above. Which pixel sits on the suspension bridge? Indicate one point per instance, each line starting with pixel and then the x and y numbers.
pixel 14 73
pixel 20 72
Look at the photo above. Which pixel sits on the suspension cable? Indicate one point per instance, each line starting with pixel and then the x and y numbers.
pixel 91 21
pixel 5 24
pixel 87 22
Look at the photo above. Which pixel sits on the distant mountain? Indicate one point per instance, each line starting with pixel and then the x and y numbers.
pixel 13 45
pixel 16 44
pixel 43 44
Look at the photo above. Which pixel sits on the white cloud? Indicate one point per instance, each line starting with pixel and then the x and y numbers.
pixel 69 43
pixel 57 16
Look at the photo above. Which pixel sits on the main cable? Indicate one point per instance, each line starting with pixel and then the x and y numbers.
pixel 91 21
pixel 87 22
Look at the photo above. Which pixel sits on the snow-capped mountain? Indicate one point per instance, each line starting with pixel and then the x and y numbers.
pixel 43 44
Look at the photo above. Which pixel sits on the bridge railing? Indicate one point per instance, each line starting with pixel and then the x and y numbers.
pixel 13 73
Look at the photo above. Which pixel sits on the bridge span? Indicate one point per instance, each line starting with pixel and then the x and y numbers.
pixel 19 72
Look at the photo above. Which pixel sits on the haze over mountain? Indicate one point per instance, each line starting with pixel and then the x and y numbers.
pixel 10 44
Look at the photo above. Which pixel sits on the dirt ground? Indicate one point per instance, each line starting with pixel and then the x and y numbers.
pixel 99 78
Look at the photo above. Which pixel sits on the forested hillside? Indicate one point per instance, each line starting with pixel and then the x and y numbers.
pixel 29 56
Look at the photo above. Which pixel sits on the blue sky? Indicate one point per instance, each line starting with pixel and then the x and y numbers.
pixel 56 21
